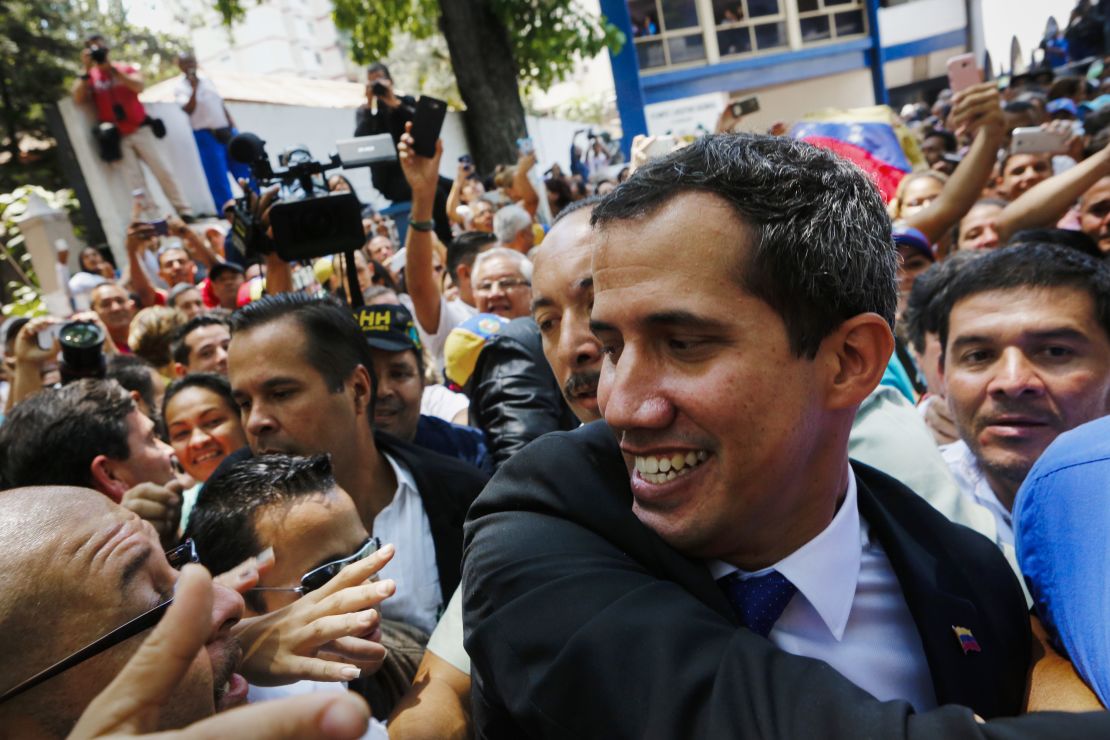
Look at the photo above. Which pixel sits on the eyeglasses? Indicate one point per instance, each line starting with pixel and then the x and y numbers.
pixel 505 284
pixel 318 577
pixel 178 558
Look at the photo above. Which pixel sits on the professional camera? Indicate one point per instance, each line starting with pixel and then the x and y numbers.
pixel 307 220
pixel 99 54
pixel 82 350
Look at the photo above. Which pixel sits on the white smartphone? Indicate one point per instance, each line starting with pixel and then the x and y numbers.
pixel 1036 140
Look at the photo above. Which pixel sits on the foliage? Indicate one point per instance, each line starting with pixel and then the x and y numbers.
pixel 546 35
pixel 23 295
pixel 424 65
pixel 40 54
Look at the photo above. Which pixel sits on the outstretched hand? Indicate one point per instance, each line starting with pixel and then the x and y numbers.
pixel 422 173
pixel 130 706
pixel 330 634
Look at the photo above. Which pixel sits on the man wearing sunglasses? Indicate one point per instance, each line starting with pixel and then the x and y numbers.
pixel 293 505
pixel 108 581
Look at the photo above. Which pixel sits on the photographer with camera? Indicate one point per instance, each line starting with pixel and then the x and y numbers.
pixel 387 113
pixel 125 133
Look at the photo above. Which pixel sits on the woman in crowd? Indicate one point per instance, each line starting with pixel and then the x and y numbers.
pixel 202 426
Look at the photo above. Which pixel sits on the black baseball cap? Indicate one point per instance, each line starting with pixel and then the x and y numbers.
pixel 388 327
pixel 221 267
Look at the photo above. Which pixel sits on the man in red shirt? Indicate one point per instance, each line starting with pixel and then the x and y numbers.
pixel 113 88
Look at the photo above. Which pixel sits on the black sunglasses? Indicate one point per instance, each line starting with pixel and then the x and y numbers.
pixel 178 558
pixel 317 577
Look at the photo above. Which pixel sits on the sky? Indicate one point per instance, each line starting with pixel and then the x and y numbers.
pixel 1003 19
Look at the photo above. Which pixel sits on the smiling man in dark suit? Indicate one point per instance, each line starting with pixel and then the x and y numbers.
pixel 744 296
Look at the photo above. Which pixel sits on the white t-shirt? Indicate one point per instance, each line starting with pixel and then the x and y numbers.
pixel 209 112
pixel 443 403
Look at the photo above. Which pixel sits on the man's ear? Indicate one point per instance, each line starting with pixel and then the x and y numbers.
pixel 103 469
pixel 180 370
pixel 362 389
pixel 857 353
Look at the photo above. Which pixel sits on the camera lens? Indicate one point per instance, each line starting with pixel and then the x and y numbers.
pixel 82 350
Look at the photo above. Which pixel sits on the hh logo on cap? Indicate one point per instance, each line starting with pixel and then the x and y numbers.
pixel 374 320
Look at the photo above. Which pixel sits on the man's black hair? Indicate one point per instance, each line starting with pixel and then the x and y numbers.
pixel 1028 266
pixel 1076 240
pixel 821 248
pixel 222 523
pixel 464 249
pixel 52 437
pixel 921 314
pixel 334 344
pixel 949 138
pixel 379 67
pixel 218 384
pixel 1096 121
pixel 133 373
pixel 179 347
pixel 578 205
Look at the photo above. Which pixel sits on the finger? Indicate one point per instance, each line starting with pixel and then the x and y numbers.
pixel 339 715
pixel 358 572
pixel 268 197
pixel 246 575
pixel 133 701
pixel 300 668
pixel 151 511
pixel 351 599
pixel 357 650
pixel 153 492
pixel 322 630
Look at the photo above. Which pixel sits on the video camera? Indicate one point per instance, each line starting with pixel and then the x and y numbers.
pixel 307 220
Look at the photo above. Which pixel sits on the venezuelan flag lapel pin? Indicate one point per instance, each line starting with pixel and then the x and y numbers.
pixel 967 640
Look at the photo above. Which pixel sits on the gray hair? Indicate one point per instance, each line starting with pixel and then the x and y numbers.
pixel 522 263
pixel 510 221
pixel 821 250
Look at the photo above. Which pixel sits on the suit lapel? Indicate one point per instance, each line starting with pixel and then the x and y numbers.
pixel 960 674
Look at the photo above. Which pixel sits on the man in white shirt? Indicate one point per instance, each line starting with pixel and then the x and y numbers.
pixel 314 393
pixel 1026 338
pixel 212 128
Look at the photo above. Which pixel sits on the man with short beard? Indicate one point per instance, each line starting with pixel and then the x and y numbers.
pixel 1025 336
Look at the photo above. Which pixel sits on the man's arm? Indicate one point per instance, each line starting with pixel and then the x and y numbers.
pixel 422 174
pixel 437 707
pixel 622 650
pixel 138 235
pixel 133 81
pixel 190 105
pixel 977 109
pixel 1046 202
pixel 197 248
pixel 1053 682
pixel 522 186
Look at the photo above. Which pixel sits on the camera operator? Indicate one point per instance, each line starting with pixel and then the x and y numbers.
pixel 386 113
pixel 113 89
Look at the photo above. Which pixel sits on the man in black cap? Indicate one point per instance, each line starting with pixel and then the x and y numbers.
pixel 226 279
pixel 399 364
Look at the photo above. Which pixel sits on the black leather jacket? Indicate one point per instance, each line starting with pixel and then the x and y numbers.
pixel 514 396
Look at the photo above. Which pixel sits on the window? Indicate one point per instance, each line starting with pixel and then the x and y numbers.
pixel 744 26
pixel 828 20
pixel 666 32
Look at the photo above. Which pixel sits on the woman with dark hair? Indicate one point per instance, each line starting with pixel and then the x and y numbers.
pixel 203 427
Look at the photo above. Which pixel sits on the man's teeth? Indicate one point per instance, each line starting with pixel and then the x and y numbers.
pixel 662 468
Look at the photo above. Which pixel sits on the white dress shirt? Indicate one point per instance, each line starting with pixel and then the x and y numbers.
pixel 849 610
pixel 973 484
pixel 404 523
pixel 209 112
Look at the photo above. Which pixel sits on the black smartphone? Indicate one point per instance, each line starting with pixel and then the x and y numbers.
pixel 426 125
pixel 745 107
pixel 161 228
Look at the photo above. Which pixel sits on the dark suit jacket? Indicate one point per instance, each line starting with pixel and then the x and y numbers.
pixel 447 488
pixel 581 622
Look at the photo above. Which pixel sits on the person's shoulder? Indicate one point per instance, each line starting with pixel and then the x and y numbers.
pixel 1084 445
pixel 422 462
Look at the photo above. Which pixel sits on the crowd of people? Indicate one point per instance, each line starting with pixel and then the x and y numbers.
pixel 724 443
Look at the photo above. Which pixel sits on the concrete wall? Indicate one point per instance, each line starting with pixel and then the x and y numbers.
pixel 280 126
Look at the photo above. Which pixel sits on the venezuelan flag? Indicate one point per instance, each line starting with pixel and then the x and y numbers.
pixel 873 138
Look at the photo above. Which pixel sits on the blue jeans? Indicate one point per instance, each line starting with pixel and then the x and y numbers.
pixel 217 163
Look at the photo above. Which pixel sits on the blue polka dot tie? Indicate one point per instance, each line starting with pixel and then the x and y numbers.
pixel 759 601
